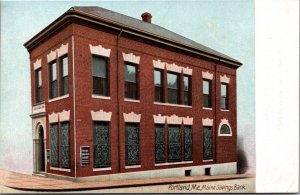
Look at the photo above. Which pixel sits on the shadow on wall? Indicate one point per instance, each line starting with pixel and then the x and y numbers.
pixel 242 162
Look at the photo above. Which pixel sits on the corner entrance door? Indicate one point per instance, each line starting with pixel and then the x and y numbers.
pixel 41 151
pixel 207 143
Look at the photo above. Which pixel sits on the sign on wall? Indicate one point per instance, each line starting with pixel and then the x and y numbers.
pixel 84 156
pixel 48 156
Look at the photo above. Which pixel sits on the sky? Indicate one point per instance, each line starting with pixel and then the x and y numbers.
pixel 226 26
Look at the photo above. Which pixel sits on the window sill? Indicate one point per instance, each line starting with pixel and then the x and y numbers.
pixel 175 105
pixel 173 163
pixel 130 100
pixel 132 166
pixel 224 110
pixel 206 108
pixel 38 103
pixel 210 160
pixel 60 169
pixel 59 98
pixel 225 135
pixel 102 169
pixel 101 97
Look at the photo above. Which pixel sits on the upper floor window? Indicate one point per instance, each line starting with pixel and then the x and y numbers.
pixel 53 80
pixel 187 90
pixel 158 85
pixel 99 73
pixel 130 77
pixel 38 85
pixel 206 93
pixel 173 88
pixel 64 88
pixel 224 96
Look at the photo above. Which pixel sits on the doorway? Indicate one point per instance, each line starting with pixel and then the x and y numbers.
pixel 41 150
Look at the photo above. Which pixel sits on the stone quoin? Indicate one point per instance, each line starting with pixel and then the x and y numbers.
pixel 115 97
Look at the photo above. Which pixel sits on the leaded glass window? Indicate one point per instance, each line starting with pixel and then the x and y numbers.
pixel 206 93
pixel 54 144
pixel 188 143
pixel 207 143
pixel 99 72
pixel 158 84
pixel 130 80
pixel 65 145
pixel 101 144
pixel 132 143
pixel 159 143
pixel 225 129
pixel 64 88
pixel 224 96
pixel 173 88
pixel 174 143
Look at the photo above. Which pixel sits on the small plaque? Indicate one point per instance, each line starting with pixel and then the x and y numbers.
pixel 48 156
pixel 84 155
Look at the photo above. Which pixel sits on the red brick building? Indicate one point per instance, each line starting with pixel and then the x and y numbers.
pixel 120 98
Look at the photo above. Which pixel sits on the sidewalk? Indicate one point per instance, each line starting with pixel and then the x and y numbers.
pixel 36 183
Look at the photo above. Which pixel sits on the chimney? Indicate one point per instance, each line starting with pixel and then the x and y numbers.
pixel 147 17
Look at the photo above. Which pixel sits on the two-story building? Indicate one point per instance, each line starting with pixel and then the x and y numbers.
pixel 120 98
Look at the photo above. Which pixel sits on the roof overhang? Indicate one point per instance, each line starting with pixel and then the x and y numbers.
pixel 77 14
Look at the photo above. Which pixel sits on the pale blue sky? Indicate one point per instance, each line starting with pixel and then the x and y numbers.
pixel 226 26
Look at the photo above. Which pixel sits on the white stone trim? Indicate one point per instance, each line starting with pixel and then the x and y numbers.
pixel 37 64
pixel 132 117
pixel 64 115
pixel 174 120
pixel 206 108
pixel 174 68
pixel 39 108
pixel 209 160
pixel 187 120
pixel 198 170
pixel 53 118
pixel 207 75
pixel 176 105
pixel 224 110
pixel 101 115
pixel 207 122
pixel 51 56
pixel 62 50
pixel 102 169
pixel 59 98
pixel 99 50
pixel 60 169
pixel 224 79
pixel 133 166
pixel 187 71
pixel 131 58
pixel 101 97
pixel 158 64
pixel 173 163
pixel 224 121
pixel 131 100
pixel 159 119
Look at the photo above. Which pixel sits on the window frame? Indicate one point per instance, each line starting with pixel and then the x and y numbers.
pixel 136 83
pixel 160 88
pixel 209 96
pixel 64 89
pixel 51 81
pixel 38 86
pixel 61 145
pixel 169 144
pixel 226 98
pixel 187 92
pixel 106 79
pixel 162 126
pixel 177 90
